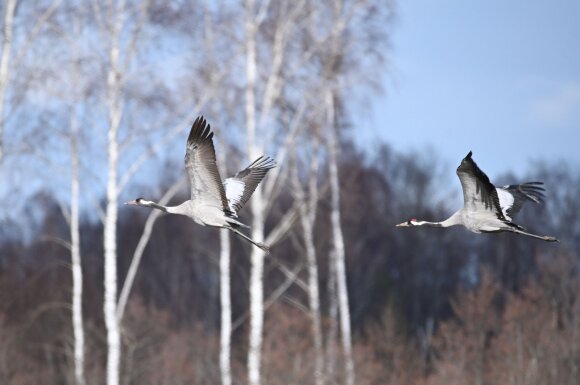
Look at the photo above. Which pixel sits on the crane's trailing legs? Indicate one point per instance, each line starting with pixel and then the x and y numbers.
pixel 546 238
pixel 262 246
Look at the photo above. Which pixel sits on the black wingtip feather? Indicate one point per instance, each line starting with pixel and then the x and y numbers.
pixel 469 166
pixel 200 131
pixel 264 162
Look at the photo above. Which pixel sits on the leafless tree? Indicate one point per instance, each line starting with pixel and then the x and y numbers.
pixel 12 56
pixel 308 201
pixel 338 242
pixel 76 266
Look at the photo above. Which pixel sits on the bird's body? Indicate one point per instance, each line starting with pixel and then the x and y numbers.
pixel 488 209
pixel 212 202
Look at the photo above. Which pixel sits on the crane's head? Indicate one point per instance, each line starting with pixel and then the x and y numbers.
pixel 138 202
pixel 410 223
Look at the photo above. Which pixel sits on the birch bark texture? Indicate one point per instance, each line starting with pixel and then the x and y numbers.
pixel 338 244
pixel 308 202
pixel 116 16
pixel 257 256
pixel 76 266
pixel 226 309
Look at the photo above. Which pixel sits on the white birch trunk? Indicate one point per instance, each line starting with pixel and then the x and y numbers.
pixel 256 298
pixel 110 284
pixel 307 219
pixel 338 245
pixel 9 9
pixel 226 308
pixel 77 275
pixel 225 290
pixel 257 256
pixel 110 236
pixel 332 316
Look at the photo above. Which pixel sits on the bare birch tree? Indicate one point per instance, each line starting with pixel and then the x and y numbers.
pixel 121 54
pixel 115 15
pixel 77 291
pixel 71 95
pixel 257 257
pixel 308 208
pixel 338 243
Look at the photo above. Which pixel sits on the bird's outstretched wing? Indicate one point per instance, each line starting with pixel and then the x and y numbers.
pixel 479 194
pixel 512 197
pixel 204 177
pixel 241 186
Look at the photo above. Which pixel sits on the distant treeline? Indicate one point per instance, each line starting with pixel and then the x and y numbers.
pixel 427 305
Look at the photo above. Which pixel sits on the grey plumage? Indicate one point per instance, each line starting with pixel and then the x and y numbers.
pixel 488 209
pixel 210 205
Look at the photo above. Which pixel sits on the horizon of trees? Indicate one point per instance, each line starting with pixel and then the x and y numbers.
pixel 427 307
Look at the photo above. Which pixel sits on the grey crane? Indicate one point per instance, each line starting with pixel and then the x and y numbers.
pixel 212 202
pixel 488 209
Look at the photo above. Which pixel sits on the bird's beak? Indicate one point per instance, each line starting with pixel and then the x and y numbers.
pixel 404 224
pixel 132 203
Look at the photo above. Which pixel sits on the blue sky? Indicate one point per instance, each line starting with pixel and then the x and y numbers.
pixel 501 78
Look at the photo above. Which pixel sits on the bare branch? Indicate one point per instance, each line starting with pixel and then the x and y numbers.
pixel 274 296
pixel 58 241
pixel 36 29
pixel 285 223
pixel 141 245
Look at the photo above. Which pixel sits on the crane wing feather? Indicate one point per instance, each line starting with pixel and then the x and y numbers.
pixel 513 197
pixel 479 194
pixel 241 186
pixel 200 163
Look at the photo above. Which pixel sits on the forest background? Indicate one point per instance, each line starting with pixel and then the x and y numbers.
pixel 96 99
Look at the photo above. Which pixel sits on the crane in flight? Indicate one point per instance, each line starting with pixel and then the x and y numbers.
pixel 212 202
pixel 488 209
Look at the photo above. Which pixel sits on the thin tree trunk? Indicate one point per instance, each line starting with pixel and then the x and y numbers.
pixel 307 209
pixel 338 244
pixel 257 256
pixel 9 10
pixel 307 222
pixel 225 288
pixel 256 294
pixel 226 309
pixel 110 236
pixel 77 275
pixel 110 284
pixel 332 316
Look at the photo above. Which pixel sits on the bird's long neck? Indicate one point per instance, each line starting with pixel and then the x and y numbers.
pixel 179 209
pixel 158 206
pixel 429 224
pixel 453 220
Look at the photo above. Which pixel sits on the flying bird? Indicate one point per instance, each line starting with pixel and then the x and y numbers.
pixel 212 202
pixel 488 209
